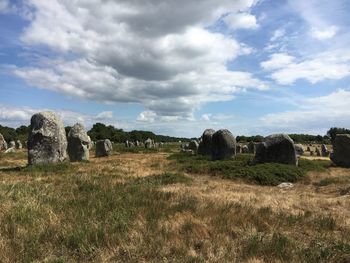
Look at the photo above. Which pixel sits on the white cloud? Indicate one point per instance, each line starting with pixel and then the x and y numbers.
pixel 277 34
pixel 328 65
pixel 241 21
pixel 104 115
pixel 157 54
pixel 314 115
pixel 277 61
pixel 323 34
pixel 147 116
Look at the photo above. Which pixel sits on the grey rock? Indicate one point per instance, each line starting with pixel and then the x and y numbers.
pixel 276 148
pixel 299 148
pixel 149 144
pixel 341 150
pixel 78 143
pixel 205 144
pixel 47 142
pixel 324 150
pixel 3 143
pixel 285 185
pixel 193 145
pixel 318 152
pixel 308 149
pixel 12 144
pixel 19 144
pixel 103 148
pixel 245 149
pixel 251 147
pixel 223 145
pixel 10 150
pixel 238 148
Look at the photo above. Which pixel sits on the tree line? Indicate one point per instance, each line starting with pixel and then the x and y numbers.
pixel 101 131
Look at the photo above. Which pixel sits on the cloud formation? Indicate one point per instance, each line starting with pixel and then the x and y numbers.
pixel 156 53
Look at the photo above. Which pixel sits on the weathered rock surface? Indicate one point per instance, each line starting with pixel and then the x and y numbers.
pixel 19 144
pixel 299 148
pixel 12 144
pixel 206 142
pixel 238 148
pixel 78 143
pixel 103 148
pixel 245 149
pixel 324 150
pixel 149 144
pixel 193 145
pixel 276 148
pixel 251 147
pixel 223 145
pixel 3 143
pixel 47 142
pixel 341 150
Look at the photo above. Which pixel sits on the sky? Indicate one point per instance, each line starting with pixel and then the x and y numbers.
pixel 178 67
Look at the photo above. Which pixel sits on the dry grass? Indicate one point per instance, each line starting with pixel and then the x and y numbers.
pixel 130 207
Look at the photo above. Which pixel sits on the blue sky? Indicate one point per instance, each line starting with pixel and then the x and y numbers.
pixel 178 67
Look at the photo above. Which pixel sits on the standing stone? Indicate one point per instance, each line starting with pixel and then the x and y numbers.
pixel 205 145
pixel 238 148
pixel 19 144
pixel 299 148
pixel 126 144
pixel 308 149
pixel 245 149
pixel 3 143
pixel 149 144
pixel 251 147
pixel 311 153
pixel 193 145
pixel 318 152
pixel 78 143
pixel 276 148
pixel 47 142
pixel 103 148
pixel 12 144
pixel 341 150
pixel 325 152
pixel 223 145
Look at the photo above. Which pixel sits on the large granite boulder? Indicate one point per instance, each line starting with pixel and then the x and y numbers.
pixel 103 148
pixel 223 145
pixel 193 145
pixel 78 143
pixel 149 143
pixel 341 150
pixel 3 143
pixel 276 148
pixel 299 148
pixel 47 142
pixel 205 144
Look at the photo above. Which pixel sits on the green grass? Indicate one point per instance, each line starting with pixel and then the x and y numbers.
pixel 240 167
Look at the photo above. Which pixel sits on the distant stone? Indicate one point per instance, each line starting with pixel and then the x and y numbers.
pixel 312 153
pixel 47 142
pixel 251 147
pixel 341 150
pixel 19 144
pixel 324 150
pixel 238 148
pixel 103 148
pixel 78 143
pixel 3 143
pixel 245 149
pixel 223 145
pixel 149 144
pixel 299 148
pixel 12 144
pixel 131 145
pixel 10 150
pixel 193 145
pixel 276 148
pixel 308 149
pixel 318 152
pixel 205 144
pixel 285 185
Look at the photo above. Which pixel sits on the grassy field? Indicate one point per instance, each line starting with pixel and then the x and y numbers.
pixel 157 206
